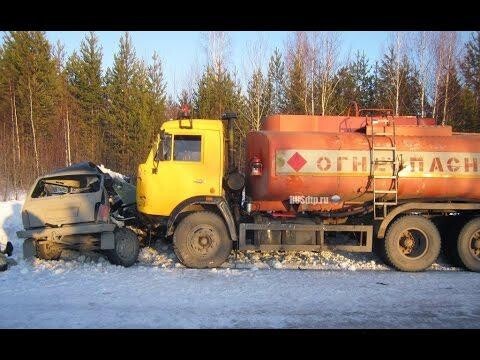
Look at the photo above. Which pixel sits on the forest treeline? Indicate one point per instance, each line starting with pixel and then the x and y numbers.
pixel 56 109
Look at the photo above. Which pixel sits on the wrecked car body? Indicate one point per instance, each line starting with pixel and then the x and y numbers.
pixel 79 208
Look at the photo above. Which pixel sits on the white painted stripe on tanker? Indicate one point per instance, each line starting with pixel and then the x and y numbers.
pixel 418 164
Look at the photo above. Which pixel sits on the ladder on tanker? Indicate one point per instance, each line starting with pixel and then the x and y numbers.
pixel 380 203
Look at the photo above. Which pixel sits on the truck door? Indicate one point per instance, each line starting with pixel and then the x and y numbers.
pixel 193 167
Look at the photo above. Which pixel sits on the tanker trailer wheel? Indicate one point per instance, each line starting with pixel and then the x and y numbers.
pixel 412 243
pixel 201 240
pixel 126 248
pixel 48 250
pixel 468 245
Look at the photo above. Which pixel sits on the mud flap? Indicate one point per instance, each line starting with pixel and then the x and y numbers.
pixel 107 241
pixel 29 249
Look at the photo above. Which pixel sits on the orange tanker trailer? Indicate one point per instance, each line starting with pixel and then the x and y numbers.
pixel 399 179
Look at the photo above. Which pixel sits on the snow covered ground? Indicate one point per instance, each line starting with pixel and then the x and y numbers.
pixel 253 290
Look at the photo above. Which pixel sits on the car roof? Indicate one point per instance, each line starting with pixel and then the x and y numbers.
pixel 82 168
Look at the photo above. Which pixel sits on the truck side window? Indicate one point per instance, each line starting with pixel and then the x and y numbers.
pixel 187 147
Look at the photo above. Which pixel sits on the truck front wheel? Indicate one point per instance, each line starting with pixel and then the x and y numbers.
pixel 201 240
pixel 412 243
pixel 468 245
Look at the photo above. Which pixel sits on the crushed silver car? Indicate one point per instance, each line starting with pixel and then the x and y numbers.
pixel 80 208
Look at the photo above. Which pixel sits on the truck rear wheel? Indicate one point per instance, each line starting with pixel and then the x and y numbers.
pixel 412 243
pixel 201 240
pixel 468 245
pixel 126 248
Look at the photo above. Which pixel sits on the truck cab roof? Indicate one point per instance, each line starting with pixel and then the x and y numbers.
pixel 204 124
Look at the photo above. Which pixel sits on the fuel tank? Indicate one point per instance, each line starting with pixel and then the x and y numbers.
pixel 334 160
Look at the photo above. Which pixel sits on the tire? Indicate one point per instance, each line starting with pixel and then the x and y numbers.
pixel 468 245
pixel 48 250
pixel 201 240
pixel 126 248
pixel 412 243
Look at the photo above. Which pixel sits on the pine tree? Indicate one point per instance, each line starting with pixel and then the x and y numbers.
pixel 64 109
pixel 216 93
pixel 158 97
pixel 470 67
pixel 296 89
pixel 30 72
pixel 257 102
pixel 86 86
pixel 363 80
pixel 402 75
pixel 136 107
pixel 355 83
pixel 276 77
pixel 122 125
pixel 345 92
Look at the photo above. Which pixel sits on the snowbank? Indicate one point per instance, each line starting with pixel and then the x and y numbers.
pixel 10 223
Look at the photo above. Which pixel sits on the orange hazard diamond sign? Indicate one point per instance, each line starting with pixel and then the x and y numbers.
pixel 296 161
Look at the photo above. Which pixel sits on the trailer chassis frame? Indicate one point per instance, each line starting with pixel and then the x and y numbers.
pixel 365 245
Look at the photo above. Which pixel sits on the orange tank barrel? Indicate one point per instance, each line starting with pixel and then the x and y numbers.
pixel 304 156
pixel 333 124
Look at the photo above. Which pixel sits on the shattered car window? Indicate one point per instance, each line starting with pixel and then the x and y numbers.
pixel 73 184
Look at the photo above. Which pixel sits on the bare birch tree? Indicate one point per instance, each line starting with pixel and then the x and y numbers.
pixel 257 97
pixel 444 46
pixel 297 55
pixel 328 50
pixel 217 47
pixel 398 45
pixel 30 96
pixel 423 60
pixel 14 156
pixel 450 49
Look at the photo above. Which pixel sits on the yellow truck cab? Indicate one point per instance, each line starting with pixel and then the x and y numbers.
pixel 186 161
pixel 181 186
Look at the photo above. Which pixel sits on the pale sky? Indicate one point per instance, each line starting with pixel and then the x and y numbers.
pixel 182 51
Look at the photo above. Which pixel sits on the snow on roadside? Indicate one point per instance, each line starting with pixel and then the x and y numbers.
pixel 161 255
pixel 10 223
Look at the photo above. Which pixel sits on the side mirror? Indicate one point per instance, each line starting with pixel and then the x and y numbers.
pixel 159 154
